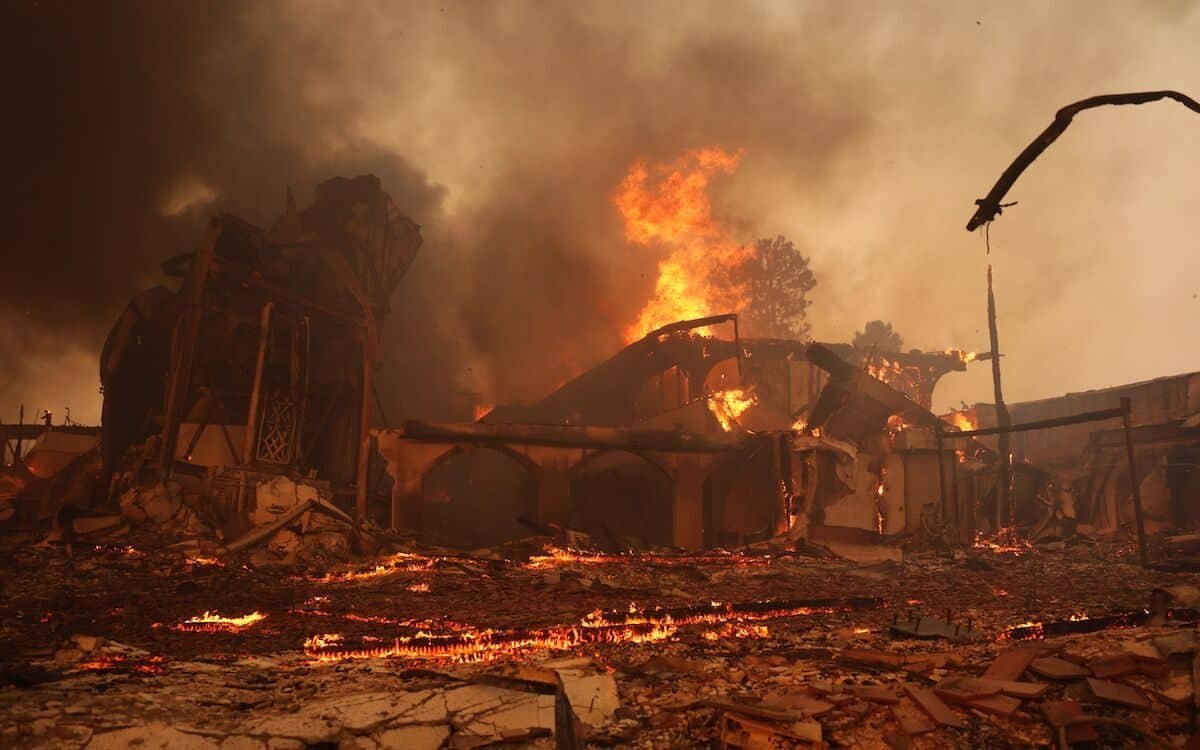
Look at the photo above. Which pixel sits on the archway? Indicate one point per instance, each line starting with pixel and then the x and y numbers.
pixel 475 497
pixel 622 500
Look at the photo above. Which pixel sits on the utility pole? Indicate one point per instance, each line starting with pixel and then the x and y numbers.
pixel 1003 420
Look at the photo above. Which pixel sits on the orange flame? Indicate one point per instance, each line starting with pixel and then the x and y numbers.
pixel 672 210
pixel 963 420
pixel 728 405
pixel 961 356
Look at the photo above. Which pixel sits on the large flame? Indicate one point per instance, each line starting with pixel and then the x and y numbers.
pixel 728 405
pixel 668 205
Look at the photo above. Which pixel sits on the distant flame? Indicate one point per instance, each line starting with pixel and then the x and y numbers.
pixel 728 405
pixel 962 356
pixel 482 410
pixel 965 420
pixel 668 205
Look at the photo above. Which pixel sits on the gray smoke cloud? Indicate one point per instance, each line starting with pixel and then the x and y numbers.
pixel 503 129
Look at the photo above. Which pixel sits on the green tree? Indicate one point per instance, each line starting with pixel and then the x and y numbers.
pixel 776 279
pixel 878 335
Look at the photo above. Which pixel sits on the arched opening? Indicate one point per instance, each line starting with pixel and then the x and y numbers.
pixel 622 500
pixel 475 497
pixel 740 498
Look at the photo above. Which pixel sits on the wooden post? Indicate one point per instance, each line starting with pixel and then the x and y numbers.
pixel 1003 420
pixel 1135 488
pixel 364 427
pixel 370 352
pixel 251 434
pixel 942 492
pixel 179 378
pixel 20 429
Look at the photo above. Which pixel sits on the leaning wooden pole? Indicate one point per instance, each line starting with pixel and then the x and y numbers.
pixel 1004 469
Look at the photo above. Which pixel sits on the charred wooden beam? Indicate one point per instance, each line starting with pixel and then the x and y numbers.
pixel 1041 424
pixel 571 436
pixel 179 377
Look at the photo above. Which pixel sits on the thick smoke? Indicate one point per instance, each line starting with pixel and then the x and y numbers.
pixel 503 128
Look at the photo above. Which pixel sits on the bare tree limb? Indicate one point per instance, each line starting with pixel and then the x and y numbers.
pixel 989 207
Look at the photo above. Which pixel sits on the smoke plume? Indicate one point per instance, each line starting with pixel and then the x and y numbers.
pixel 503 128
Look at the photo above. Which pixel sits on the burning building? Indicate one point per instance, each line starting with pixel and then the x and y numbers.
pixel 680 439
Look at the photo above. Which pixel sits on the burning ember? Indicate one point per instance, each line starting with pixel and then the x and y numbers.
pixel 211 622
pixel 119 662
pixel 204 560
pixel 1005 541
pixel 558 556
pixel 728 405
pixel 400 562
pixel 668 205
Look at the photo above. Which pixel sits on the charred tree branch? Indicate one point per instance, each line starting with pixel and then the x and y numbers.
pixel 989 207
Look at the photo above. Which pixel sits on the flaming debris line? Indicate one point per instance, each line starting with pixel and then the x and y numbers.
pixel 621 626
pixel 564 556
pixel 211 622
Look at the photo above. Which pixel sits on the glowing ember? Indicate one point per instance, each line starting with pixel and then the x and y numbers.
pixel 668 205
pixel 1081 623
pixel 555 556
pixel 119 662
pixel 419 588
pixel 1005 541
pixel 203 560
pixel 211 622
pixel 727 406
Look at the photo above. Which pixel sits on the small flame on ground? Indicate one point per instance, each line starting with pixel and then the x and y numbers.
pixel 400 562
pixel 1004 541
pixel 204 560
pixel 419 588
pixel 555 556
pixel 211 622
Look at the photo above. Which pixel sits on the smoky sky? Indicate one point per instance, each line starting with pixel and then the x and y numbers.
pixel 503 128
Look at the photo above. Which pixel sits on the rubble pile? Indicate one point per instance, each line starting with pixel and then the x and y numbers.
pixel 172 647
